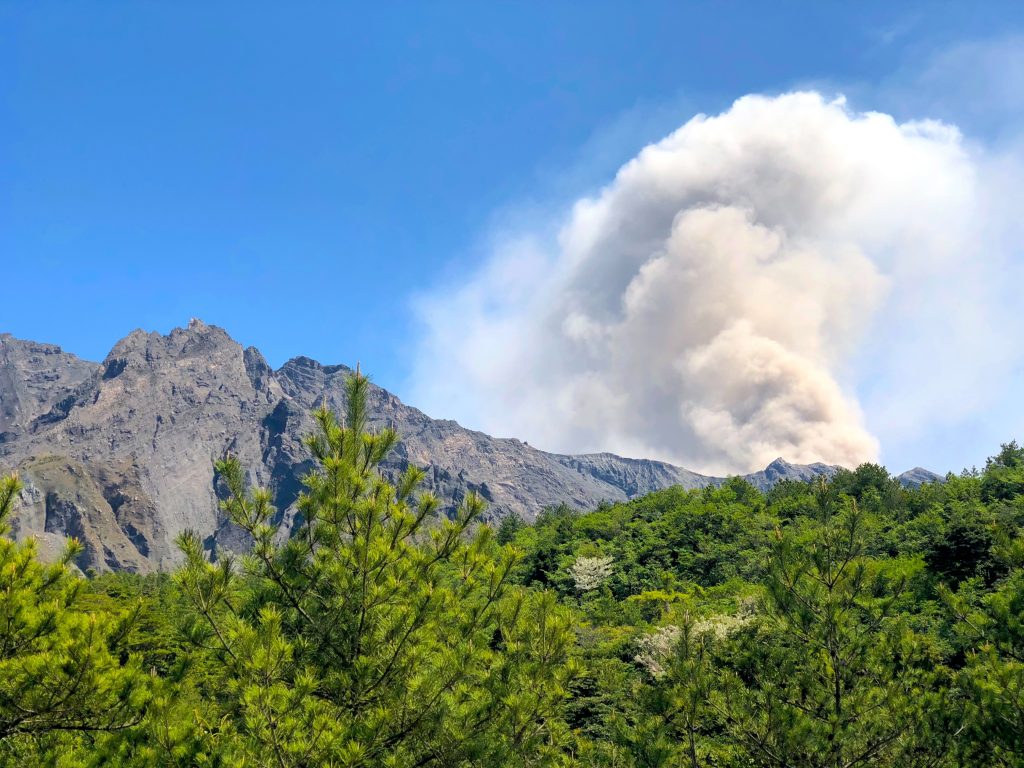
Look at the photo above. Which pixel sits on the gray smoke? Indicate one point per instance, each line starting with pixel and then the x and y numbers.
pixel 710 305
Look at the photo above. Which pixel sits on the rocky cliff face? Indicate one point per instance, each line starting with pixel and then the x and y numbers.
pixel 120 454
pixel 34 378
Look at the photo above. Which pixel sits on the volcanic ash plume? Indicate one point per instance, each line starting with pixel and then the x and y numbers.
pixel 706 307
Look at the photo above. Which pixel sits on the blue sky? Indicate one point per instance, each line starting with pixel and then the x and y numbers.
pixel 300 173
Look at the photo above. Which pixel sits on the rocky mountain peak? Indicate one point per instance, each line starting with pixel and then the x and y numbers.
pixel 918 476
pixel 121 453
pixel 780 469
pixel 152 347
pixel 35 377
pixel 260 373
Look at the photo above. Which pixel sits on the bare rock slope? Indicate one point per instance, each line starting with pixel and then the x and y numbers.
pixel 120 454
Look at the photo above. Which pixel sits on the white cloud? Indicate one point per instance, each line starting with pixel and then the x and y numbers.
pixel 710 305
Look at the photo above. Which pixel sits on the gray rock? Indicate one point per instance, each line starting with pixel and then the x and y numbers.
pixel 120 453
pixel 918 476
pixel 782 470
pixel 34 378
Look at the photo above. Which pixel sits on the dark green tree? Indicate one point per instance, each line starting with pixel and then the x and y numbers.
pixel 508 527
pixel 832 676
pixel 1003 478
pixel 992 626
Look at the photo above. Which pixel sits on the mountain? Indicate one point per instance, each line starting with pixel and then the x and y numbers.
pixel 918 476
pixel 34 378
pixel 120 454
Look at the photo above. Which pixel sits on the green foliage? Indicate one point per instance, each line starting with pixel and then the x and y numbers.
pixel 991 627
pixel 845 623
pixel 367 637
pixel 1004 474
pixel 63 669
pixel 507 529
pixel 832 675
pixel 834 624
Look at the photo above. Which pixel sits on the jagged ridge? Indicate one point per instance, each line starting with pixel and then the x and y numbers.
pixel 120 453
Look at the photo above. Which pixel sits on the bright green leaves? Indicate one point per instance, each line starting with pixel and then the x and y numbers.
pixel 991 627
pixel 831 674
pixel 822 625
pixel 61 668
pixel 10 487
pixel 375 634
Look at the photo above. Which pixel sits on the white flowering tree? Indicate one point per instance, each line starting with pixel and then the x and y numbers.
pixel 684 677
pixel 655 650
pixel 589 573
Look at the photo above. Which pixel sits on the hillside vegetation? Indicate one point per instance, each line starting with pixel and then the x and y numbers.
pixel 827 624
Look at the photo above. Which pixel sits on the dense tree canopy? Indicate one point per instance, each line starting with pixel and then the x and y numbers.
pixel 834 624
pixel 841 623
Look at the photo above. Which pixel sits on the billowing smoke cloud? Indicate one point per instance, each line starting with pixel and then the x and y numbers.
pixel 710 305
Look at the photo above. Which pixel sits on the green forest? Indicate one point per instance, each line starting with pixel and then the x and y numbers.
pixel 832 624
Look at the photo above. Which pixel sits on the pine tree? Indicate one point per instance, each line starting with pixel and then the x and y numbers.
pixel 679 659
pixel 375 635
pixel 61 670
pixel 992 628
pixel 834 677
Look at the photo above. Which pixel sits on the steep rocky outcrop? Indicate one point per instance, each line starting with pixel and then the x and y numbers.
pixel 141 434
pixel 34 378
pixel 120 454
